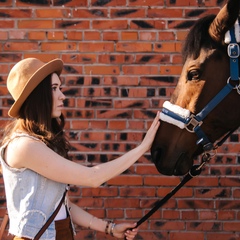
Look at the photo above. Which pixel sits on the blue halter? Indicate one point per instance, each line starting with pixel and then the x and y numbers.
pixel 193 122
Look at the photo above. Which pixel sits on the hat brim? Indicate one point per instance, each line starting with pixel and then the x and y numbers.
pixel 54 66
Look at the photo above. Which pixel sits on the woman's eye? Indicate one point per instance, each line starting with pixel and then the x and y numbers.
pixel 193 75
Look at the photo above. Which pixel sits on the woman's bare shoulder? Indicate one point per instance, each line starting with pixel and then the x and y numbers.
pixel 20 149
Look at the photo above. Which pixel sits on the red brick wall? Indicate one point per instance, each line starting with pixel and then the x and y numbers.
pixel 122 61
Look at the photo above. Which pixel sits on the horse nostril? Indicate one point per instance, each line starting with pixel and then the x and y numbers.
pixel 157 155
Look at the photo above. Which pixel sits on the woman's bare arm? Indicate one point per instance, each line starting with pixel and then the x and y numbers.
pixel 25 152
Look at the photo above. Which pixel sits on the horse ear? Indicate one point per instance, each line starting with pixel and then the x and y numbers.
pixel 224 20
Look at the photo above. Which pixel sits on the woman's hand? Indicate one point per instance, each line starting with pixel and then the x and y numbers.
pixel 125 230
pixel 149 137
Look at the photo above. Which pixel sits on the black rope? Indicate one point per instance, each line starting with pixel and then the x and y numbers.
pixel 194 171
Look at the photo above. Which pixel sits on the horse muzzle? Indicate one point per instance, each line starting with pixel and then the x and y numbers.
pixel 179 165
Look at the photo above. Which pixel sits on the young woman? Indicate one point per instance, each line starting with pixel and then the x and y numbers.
pixel 34 158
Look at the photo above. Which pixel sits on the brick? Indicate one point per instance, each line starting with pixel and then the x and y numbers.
pixel 169 214
pixel 178 3
pixel 223 236
pixel 35 24
pixel 115 213
pixel 147 36
pixel 109 24
pixel 166 36
pixel 135 70
pixel 100 192
pixel 88 202
pixel 129 36
pixel 165 13
pixel 161 180
pixel 166 47
pixel 133 47
pixel 72 3
pixel 226 215
pixel 173 225
pixel 3 35
pixel 131 103
pixel 133 213
pixel 110 36
pixel 213 193
pixel 137 192
pixel 96 47
pixel 183 192
pixel 92 35
pixel 189 214
pixel 146 2
pixel 135 125
pixel 129 13
pixel 152 59
pixel 78 58
pixel 56 46
pixel 7 24
pixel 227 204
pixel 127 202
pixel 96 70
pixel 116 59
pixel 117 125
pixel 207 215
pixel 129 180
pixel 121 81
pixel 90 13
pixel 74 35
pixel 187 236
pixel 191 203
pixel 97 136
pixel 147 24
pixel 53 13
pixel 37 35
pixel 16 13
pixel 231 226
pixel 25 46
pixel 45 57
pixel 72 24
pixel 6 3
pixel 113 3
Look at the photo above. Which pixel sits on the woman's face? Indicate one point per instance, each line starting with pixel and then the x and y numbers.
pixel 57 96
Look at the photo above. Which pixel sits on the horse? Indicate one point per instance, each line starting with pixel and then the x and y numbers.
pixel 203 107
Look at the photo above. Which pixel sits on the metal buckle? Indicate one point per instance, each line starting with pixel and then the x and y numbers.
pixel 233 50
pixel 192 124
pixel 238 89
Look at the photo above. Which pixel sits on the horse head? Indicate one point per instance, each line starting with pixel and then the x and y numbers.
pixel 196 116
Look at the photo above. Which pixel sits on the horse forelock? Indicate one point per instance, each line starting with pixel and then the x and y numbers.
pixel 198 38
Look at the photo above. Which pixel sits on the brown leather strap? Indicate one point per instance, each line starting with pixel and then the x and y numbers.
pixel 3 225
pixel 51 218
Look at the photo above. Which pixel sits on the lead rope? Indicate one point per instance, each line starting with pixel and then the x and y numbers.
pixel 194 171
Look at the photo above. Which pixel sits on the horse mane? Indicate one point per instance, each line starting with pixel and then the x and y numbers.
pixel 199 38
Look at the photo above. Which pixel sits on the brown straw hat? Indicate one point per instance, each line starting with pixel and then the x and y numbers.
pixel 24 78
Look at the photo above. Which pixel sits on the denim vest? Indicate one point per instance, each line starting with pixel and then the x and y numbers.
pixel 31 199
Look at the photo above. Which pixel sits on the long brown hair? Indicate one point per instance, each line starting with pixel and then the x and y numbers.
pixel 35 119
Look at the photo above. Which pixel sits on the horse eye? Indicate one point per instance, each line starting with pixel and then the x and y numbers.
pixel 193 75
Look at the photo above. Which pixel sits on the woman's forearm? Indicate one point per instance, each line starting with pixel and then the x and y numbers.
pixel 85 219
pixel 103 172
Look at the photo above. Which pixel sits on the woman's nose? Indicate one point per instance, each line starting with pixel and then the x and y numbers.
pixel 62 96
